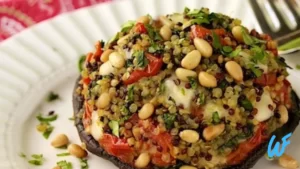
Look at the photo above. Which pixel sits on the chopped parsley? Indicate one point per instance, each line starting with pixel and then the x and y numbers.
pixel 114 126
pixel 46 118
pixel 48 131
pixel 155 48
pixel 226 50
pixel 169 120
pixel 142 60
pixel 52 97
pixel 64 164
pixel 37 159
pixel 201 99
pixel 258 54
pixel 62 154
pixel 84 164
pixel 250 40
pixel 22 155
pixel 127 26
pixel 236 52
pixel 153 34
pixel 216 41
pixel 71 118
pixel 130 93
pixel 216 118
pixel 256 71
pixel 246 104
pixel 182 91
pixel 81 62
pixel 193 82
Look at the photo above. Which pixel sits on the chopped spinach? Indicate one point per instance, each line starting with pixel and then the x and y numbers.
pixel 244 102
pixel 256 71
pixel 258 54
pixel 169 120
pixel 193 82
pixel 46 118
pixel 250 40
pixel 142 60
pixel 52 97
pixel 153 34
pixel 127 26
pixel 201 99
pixel 156 48
pixel 64 164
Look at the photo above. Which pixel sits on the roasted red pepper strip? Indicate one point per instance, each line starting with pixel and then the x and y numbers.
pixel 151 69
pixel 117 147
pixel 201 32
pixel 243 150
pixel 266 79
pixel 140 28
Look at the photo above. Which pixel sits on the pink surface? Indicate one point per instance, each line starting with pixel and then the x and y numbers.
pixel 17 15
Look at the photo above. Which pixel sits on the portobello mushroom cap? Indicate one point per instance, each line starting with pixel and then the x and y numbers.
pixel 93 146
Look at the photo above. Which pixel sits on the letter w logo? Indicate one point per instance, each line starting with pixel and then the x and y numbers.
pixel 276 150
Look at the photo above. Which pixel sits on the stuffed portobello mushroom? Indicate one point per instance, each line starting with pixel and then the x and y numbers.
pixel 191 90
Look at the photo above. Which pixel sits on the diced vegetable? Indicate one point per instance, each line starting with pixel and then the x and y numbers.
pixel 84 164
pixel 62 154
pixel 216 118
pixel 47 118
pixel 169 120
pixel 114 126
pixel 64 164
pixel 37 159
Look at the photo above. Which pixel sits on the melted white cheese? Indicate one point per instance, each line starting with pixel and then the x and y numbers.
pixel 96 126
pixel 128 54
pixel 180 94
pixel 264 113
pixel 106 69
pixel 263 67
pixel 210 108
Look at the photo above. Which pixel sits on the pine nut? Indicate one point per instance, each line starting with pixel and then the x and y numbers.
pixel 184 74
pixel 191 60
pixel 116 60
pixel 103 101
pixel 235 70
pixel 237 33
pixel 60 141
pixel 106 69
pixel 143 19
pixel 204 47
pixel 211 132
pixel 146 111
pixel 187 167
pixel 143 160
pixel 284 114
pixel 287 161
pixel 105 55
pixel 77 151
pixel 165 32
pixel 114 82
pixel 207 80
pixel 189 136
pixel 165 21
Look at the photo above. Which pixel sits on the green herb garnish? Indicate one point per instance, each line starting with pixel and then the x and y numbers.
pixel 71 118
pixel 62 154
pixel 258 54
pixel 48 131
pixel 142 60
pixel 46 118
pixel 226 50
pixel 162 88
pixel 250 40
pixel 64 164
pixel 114 38
pixel 114 126
pixel 256 71
pixel 236 52
pixel 182 91
pixel 84 164
pixel 216 118
pixel 22 155
pixel 298 67
pixel 246 104
pixel 130 93
pixel 155 48
pixel 127 26
pixel 37 159
pixel 52 97
pixel 193 82
pixel 169 120
pixel 81 62
pixel 153 34
pixel 216 41
pixel 200 21
pixel 201 99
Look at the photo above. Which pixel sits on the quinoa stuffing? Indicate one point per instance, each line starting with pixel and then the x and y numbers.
pixel 193 89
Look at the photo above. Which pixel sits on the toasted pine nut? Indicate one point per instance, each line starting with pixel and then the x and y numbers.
pixel 287 161
pixel 191 60
pixel 103 101
pixel 237 33
pixel 204 47
pixel 184 74
pixel 105 55
pixel 77 151
pixel 142 161
pixel 207 80
pixel 190 136
pixel 146 111
pixel 187 167
pixel 211 132
pixel 60 141
pixel 165 32
pixel 165 21
pixel 284 114
pixel 116 60
pixel 143 19
pixel 114 82
pixel 235 70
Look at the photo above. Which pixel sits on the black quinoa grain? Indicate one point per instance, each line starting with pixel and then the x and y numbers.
pixel 187 86
pixel 270 107
pixel 51 112
pixel 277 115
pixel 231 112
pixel 258 99
pixel 208 157
pixel 225 106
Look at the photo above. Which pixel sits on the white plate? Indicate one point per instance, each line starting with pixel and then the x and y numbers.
pixel 43 58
